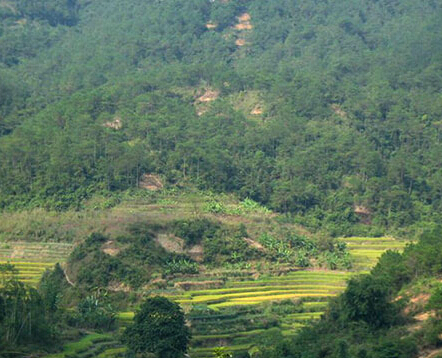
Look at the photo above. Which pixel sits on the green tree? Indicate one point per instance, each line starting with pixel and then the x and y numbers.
pixel 368 299
pixel 159 327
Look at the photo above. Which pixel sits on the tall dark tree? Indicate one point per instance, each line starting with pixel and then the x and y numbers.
pixel 159 327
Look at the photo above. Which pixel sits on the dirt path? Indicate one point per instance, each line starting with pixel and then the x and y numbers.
pixel 432 354
pixel 68 279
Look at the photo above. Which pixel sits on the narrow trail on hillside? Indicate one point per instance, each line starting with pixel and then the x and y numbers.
pixel 68 279
pixel 432 354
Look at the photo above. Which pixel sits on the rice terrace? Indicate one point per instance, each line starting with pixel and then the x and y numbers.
pixel 230 307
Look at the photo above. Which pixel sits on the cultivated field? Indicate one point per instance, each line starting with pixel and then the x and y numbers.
pixel 366 250
pixel 33 259
pixel 243 306
pixel 92 345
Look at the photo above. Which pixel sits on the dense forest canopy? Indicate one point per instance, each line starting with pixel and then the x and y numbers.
pixel 345 103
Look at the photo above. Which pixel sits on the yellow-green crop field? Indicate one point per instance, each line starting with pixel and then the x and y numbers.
pixel 311 287
pixel 366 250
pixel 32 259
pixel 235 315
pixel 296 285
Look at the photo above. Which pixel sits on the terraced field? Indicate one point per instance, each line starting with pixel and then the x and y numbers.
pixel 245 307
pixel 237 314
pixel 366 251
pixel 92 345
pixel 307 285
pixel 32 259
pixel 249 299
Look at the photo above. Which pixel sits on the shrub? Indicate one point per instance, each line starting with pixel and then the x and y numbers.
pixel 182 265
pixel 194 231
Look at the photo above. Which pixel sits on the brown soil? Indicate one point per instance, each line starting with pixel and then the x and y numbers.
pixel 431 354
pixel 240 42
pixel 192 285
pixel 339 111
pixel 21 22
pixel 359 209
pixel 116 123
pixel 201 111
pixel 364 214
pixel 150 182
pixel 211 26
pixel 110 248
pixel 244 22
pixel 209 96
pixel 242 27
pixel 424 316
pixel 421 299
pixel 257 111
pixel 171 243
pixel 244 17
pixel 196 253
pixel 254 244
pixel 118 287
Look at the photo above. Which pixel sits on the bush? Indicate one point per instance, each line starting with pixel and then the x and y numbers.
pixel 182 265
pixel 93 313
pixel 194 231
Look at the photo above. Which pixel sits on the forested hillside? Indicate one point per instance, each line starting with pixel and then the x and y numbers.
pixel 324 109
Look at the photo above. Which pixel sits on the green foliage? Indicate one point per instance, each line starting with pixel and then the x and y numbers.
pixel 228 247
pixel 195 231
pixel 435 302
pixel 221 352
pixel 367 319
pixel 23 318
pixel 363 296
pixel 131 266
pixel 339 113
pixel 51 288
pixel 215 207
pixel 159 328
pixel 54 11
pixel 93 312
pixel 183 266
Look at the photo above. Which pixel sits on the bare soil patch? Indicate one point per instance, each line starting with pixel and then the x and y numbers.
pixel 192 285
pixel 257 111
pixel 119 287
pixel 209 96
pixel 422 317
pixel 244 22
pixel 421 299
pixel 110 248
pixel 171 243
pixel 254 244
pixel 196 253
pixel 339 111
pixel 151 182
pixel 116 123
